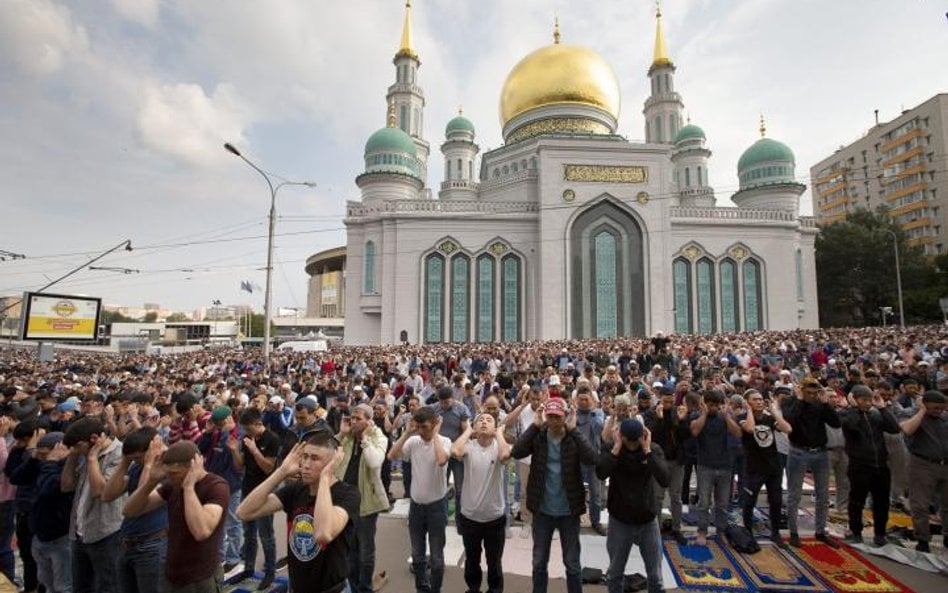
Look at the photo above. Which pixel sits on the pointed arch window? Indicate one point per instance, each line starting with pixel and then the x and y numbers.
pixel 368 272
pixel 753 311
pixel 485 299
pixel 434 298
pixel 799 268
pixel 606 291
pixel 403 119
pixel 700 177
pixel 704 273
pixel 687 177
pixel 460 297
pixel 729 296
pixel 681 271
pixel 510 298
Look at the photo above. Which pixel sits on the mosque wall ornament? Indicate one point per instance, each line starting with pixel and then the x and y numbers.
pixel 498 248
pixel 738 252
pixel 605 173
pixel 693 252
pixel 642 198
pixel 448 247
pixel 569 195
pixel 559 125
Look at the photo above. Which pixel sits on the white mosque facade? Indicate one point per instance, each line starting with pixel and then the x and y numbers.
pixel 569 230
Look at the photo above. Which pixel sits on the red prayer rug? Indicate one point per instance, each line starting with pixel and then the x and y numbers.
pixel 845 571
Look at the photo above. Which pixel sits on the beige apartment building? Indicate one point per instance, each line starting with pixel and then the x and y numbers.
pixel 901 164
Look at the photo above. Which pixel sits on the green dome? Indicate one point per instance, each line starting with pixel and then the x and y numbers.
pixel 688 132
pixel 459 123
pixel 765 150
pixel 391 140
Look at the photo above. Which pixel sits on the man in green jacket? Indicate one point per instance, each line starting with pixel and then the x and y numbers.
pixel 363 445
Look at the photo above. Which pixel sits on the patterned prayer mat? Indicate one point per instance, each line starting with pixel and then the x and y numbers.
pixel 703 568
pixel 846 571
pixel 775 571
pixel 280 585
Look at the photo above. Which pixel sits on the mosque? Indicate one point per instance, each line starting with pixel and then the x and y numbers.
pixel 569 230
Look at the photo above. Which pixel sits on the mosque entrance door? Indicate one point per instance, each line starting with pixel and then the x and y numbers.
pixel 607 278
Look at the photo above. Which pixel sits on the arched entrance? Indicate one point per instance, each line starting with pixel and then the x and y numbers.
pixel 607 273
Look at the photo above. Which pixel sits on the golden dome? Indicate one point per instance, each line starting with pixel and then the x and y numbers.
pixel 560 74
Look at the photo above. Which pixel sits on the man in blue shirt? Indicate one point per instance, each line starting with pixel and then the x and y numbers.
pixel 589 423
pixel 556 495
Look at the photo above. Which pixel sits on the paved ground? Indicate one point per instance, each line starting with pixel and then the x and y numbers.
pixel 393 548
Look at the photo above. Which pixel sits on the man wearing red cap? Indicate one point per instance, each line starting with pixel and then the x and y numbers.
pixel 556 496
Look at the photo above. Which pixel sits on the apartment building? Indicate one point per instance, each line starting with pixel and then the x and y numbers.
pixel 901 164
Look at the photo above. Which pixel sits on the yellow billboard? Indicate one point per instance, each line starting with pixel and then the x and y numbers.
pixel 60 317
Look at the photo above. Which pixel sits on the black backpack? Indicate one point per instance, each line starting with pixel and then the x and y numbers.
pixel 741 539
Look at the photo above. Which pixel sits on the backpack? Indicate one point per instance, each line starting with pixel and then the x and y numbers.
pixel 741 539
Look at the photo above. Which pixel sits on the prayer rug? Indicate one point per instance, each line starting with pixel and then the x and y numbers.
pixel 845 571
pixel 775 571
pixel 703 568
pixel 280 585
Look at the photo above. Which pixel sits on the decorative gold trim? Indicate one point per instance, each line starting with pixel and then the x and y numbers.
pixel 738 252
pixel 605 173
pixel 448 247
pixel 569 195
pixel 642 197
pixel 498 248
pixel 557 125
pixel 693 252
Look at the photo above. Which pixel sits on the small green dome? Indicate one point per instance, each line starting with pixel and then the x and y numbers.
pixel 688 132
pixel 765 150
pixel 459 123
pixel 391 140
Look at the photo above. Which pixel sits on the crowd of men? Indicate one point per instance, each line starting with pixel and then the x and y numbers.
pixel 145 473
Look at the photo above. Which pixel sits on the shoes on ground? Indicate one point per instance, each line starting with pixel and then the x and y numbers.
pixel 828 540
pixel 599 528
pixel 679 537
pixel 778 541
pixel 265 582
pixel 922 547
pixel 795 540
pixel 853 539
pixel 879 541
pixel 239 577
pixel 229 566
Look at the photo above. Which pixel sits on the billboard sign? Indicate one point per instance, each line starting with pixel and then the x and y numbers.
pixel 53 317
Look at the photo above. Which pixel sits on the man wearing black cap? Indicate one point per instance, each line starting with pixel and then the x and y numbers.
pixel 196 502
pixel 636 469
pixel 808 417
pixel 864 425
pixel 926 431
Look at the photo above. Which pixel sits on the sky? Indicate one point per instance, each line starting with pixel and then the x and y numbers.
pixel 114 114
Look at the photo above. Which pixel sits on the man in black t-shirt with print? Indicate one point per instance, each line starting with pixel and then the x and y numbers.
pixel 257 456
pixel 759 427
pixel 319 510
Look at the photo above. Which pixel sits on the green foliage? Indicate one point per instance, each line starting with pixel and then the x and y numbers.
pixel 107 318
pixel 856 274
pixel 177 317
pixel 150 317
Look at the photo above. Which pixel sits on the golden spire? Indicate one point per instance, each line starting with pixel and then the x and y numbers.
pixel 405 47
pixel 661 55
pixel 391 114
pixel 460 110
pixel 556 30
pixel 763 126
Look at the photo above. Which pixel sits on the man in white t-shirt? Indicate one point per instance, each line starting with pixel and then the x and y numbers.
pixel 428 453
pixel 482 519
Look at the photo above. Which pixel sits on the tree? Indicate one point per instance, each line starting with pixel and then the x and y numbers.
pixel 150 317
pixel 855 269
pixel 107 318
pixel 176 317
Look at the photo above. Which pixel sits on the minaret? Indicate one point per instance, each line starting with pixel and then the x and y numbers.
pixel 460 152
pixel 664 107
pixel 407 96
pixel 690 157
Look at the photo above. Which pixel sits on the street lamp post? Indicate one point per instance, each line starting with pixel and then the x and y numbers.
pixel 898 276
pixel 268 295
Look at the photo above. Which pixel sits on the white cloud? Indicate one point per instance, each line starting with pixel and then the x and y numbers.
pixel 181 120
pixel 143 12
pixel 39 36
